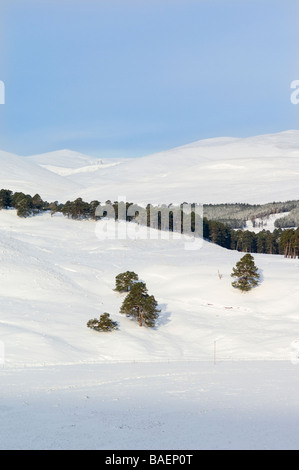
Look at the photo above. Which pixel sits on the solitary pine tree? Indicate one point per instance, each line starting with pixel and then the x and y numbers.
pixel 105 323
pixel 246 273
pixel 141 306
pixel 124 281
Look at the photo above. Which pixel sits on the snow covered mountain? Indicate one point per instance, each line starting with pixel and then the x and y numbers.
pixel 20 174
pixel 253 170
pixel 257 169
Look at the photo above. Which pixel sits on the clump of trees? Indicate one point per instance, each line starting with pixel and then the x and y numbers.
pixel 137 304
pixel 25 204
pixel 246 274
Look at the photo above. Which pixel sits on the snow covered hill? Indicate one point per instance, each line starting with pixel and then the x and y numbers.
pixel 256 169
pixel 218 371
pixel 253 170
pixel 56 274
pixel 19 174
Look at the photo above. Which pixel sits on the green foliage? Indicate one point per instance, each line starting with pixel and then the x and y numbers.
pixel 37 203
pixel 141 306
pixel 77 209
pixel 5 198
pixel 105 323
pixel 289 243
pixel 23 203
pixel 246 274
pixel 124 281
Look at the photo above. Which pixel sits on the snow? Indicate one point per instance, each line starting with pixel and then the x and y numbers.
pixel 19 174
pixel 57 273
pixel 258 169
pixel 219 371
pixel 165 406
pixel 264 223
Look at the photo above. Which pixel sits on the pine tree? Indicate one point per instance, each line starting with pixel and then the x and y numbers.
pixel 23 203
pixel 37 203
pixel 105 323
pixel 5 198
pixel 246 273
pixel 141 306
pixel 124 281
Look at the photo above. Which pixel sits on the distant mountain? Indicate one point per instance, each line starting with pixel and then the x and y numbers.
pixel 63 158
pixel 20 174
pixel 68 162
pixel 256 169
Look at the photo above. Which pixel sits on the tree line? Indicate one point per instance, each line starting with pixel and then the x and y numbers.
pixel 280 241
pixel 235 215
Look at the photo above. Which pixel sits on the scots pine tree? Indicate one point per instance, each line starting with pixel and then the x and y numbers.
pixel 140 305
pixel 5 198
pixel 246 273
pixel 124 281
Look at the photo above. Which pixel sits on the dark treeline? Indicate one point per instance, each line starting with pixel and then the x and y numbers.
pixel 280 241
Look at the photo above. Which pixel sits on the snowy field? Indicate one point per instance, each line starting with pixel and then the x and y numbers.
pixel 171 406
pixel 218 372
pixel 221 368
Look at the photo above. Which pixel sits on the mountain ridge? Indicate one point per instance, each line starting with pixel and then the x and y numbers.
pixel 256 169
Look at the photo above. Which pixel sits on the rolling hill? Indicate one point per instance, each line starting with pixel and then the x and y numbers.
pixel 257 169
pixel 219 369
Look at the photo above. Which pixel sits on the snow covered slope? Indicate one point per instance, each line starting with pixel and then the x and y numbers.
pixel 67 162
pixel 257 169
pixel 220 369
pixel 63 159
pixel 252 170
pixel 56 274
pixel 19 174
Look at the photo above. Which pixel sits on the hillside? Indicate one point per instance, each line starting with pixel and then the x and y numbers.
pixel 56 274
pixel 219 369
pixel 254 170
pixel 19 174
pixel 257 169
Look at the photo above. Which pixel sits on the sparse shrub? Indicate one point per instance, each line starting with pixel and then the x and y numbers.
pixel 104 323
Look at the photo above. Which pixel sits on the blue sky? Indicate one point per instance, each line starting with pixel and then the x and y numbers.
pixel 132 77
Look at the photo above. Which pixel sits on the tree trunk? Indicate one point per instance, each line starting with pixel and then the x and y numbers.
pixel 140 316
